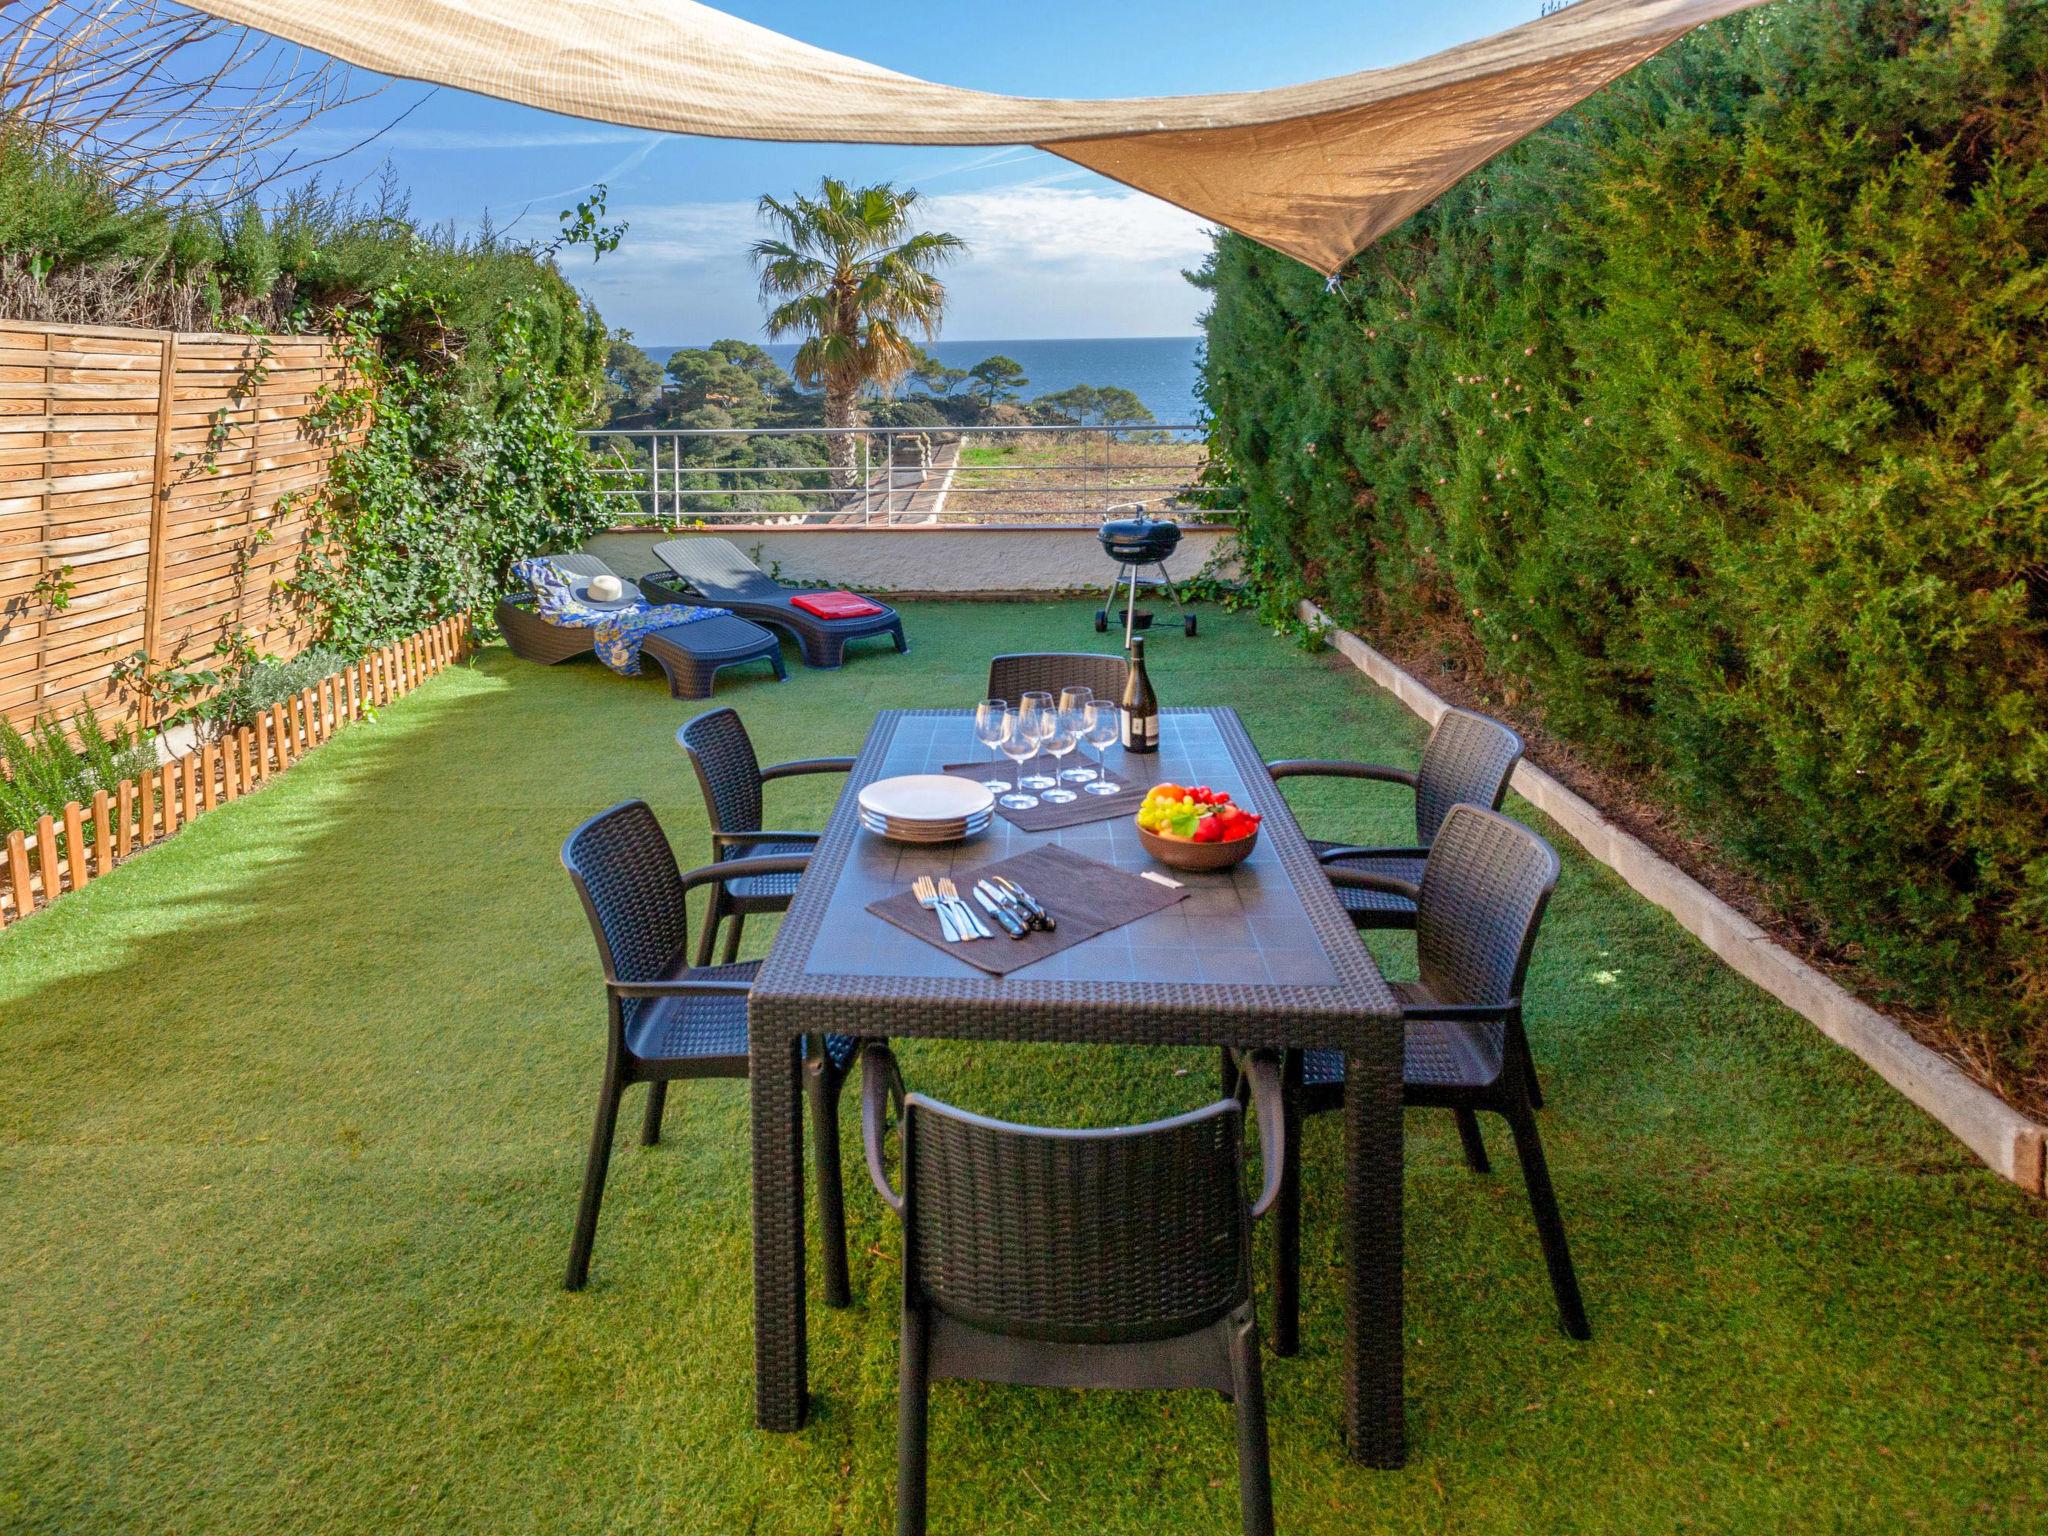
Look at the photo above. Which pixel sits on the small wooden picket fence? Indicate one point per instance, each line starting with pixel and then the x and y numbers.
pixel 87 841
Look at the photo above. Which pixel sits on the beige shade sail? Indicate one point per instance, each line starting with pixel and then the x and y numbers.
pixel 1318 171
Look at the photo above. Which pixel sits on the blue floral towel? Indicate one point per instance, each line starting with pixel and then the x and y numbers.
pixel 619 630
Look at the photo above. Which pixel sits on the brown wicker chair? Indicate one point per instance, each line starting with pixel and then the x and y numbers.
pixel 669 1019
pixel 1053 1258
pixel 1468 760
pixel 1478 907
pixel 1011 677
pixel 731 777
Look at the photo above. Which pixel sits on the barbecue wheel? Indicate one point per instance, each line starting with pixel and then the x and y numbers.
pixel 1101 621
pixel 1187 625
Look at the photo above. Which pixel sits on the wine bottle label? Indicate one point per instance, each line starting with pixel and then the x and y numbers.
pixel 1141 733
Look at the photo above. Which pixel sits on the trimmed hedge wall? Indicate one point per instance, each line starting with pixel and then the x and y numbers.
pixel 1712 418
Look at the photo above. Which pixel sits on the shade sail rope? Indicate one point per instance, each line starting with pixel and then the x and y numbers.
pixel 1318 171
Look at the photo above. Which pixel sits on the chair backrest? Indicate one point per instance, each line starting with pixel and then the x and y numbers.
pixel 728 772
pixel 1484 889
pixel 1011 677
pixel 1468 761
pixel 632 893
pixel 585 566
pixel 1101 1237
pixel 716 568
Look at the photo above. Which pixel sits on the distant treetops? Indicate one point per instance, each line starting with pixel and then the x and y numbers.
pixel 734 383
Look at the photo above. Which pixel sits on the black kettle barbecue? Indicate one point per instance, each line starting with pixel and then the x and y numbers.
pixel 1135 543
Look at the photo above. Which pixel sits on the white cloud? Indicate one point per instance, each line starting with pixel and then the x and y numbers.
pixel 1044 225
pixel 1043 260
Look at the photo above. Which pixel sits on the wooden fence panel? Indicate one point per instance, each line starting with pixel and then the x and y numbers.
pixel 165 479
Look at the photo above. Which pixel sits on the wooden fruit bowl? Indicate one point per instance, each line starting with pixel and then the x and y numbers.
pixel 1177 853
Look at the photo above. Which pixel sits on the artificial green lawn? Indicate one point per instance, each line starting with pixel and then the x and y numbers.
pixel 292 1113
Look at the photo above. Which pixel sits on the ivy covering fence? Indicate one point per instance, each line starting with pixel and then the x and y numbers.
pixel 473 362
pixel 236 433
pixel 1707 424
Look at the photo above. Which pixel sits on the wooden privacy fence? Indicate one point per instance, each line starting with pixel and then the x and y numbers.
pixel 152 496
pixel 85 841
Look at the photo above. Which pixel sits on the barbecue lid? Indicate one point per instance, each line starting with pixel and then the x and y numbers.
pixel 1143 530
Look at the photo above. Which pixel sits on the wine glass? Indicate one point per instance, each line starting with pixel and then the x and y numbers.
pixel 1074 701
pixel 1018 743
pixel 1037 710
pixel 991 725
pixel 1066 735
pixel 1102 730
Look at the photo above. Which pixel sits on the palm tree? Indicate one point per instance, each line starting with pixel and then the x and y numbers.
pixel 848 273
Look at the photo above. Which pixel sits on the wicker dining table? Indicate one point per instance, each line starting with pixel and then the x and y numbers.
pixel 1262 955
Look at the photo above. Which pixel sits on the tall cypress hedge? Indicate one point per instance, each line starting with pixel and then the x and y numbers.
pixel 1711 419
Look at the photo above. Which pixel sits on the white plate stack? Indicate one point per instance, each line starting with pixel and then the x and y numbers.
pixel 926 808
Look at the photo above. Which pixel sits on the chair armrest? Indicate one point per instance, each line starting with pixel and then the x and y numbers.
pixel 1330 854
pixel 1323 768
pixel 1346 878
pixel 681 986
pixel 1262 1071
pixel 877 1074
pixel 740 869
pixel 807 765
pixel 742 839
pixel 1460 1013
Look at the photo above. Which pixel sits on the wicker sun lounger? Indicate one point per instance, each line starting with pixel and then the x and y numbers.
pixel 690 655
pixel 710 570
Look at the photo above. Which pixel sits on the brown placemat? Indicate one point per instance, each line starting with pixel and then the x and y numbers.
pixel 1084 896
pixel 1049 814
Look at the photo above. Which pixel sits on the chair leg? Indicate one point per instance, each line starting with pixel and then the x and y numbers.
pixel 1475 1144
pixel 1287 1239
pixel 713 914
pixel 732 938
pixel 1519 1044
pixel 913 1390
pixel 1226 1072
pixel 1254 1469
pixel 896 633
pixel 1557 1254
pixel 593 1180
pixel 650 1125
pixel 822 1083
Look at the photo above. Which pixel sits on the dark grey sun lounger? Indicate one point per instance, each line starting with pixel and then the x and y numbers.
pixel 691 655
pixel 710 570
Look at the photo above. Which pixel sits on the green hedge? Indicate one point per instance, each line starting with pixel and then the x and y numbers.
pixel 1711 420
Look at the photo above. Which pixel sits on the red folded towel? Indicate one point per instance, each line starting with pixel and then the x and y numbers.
pixel 835 605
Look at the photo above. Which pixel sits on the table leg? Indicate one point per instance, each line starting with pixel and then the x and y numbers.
pixel 1374 1405
pixel 781 1365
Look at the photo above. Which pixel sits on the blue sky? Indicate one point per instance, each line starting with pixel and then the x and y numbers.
pixel 1055 251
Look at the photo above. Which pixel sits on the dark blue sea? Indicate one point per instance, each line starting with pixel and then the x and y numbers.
pixel 1159 370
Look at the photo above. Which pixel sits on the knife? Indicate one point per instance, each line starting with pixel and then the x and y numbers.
pixel 1013 925
pixel 1040 918
pixel 966 917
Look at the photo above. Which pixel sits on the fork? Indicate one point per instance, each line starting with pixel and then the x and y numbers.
pixel 964 916
pixel 928 897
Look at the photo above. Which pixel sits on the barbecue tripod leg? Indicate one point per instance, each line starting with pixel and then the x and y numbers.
pixel 1172 591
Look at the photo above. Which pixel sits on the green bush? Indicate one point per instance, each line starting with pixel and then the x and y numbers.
pixel 251 689
pixel 41 772
pixel 1711 418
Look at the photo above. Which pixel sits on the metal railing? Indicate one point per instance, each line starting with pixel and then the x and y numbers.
pixel 897 475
